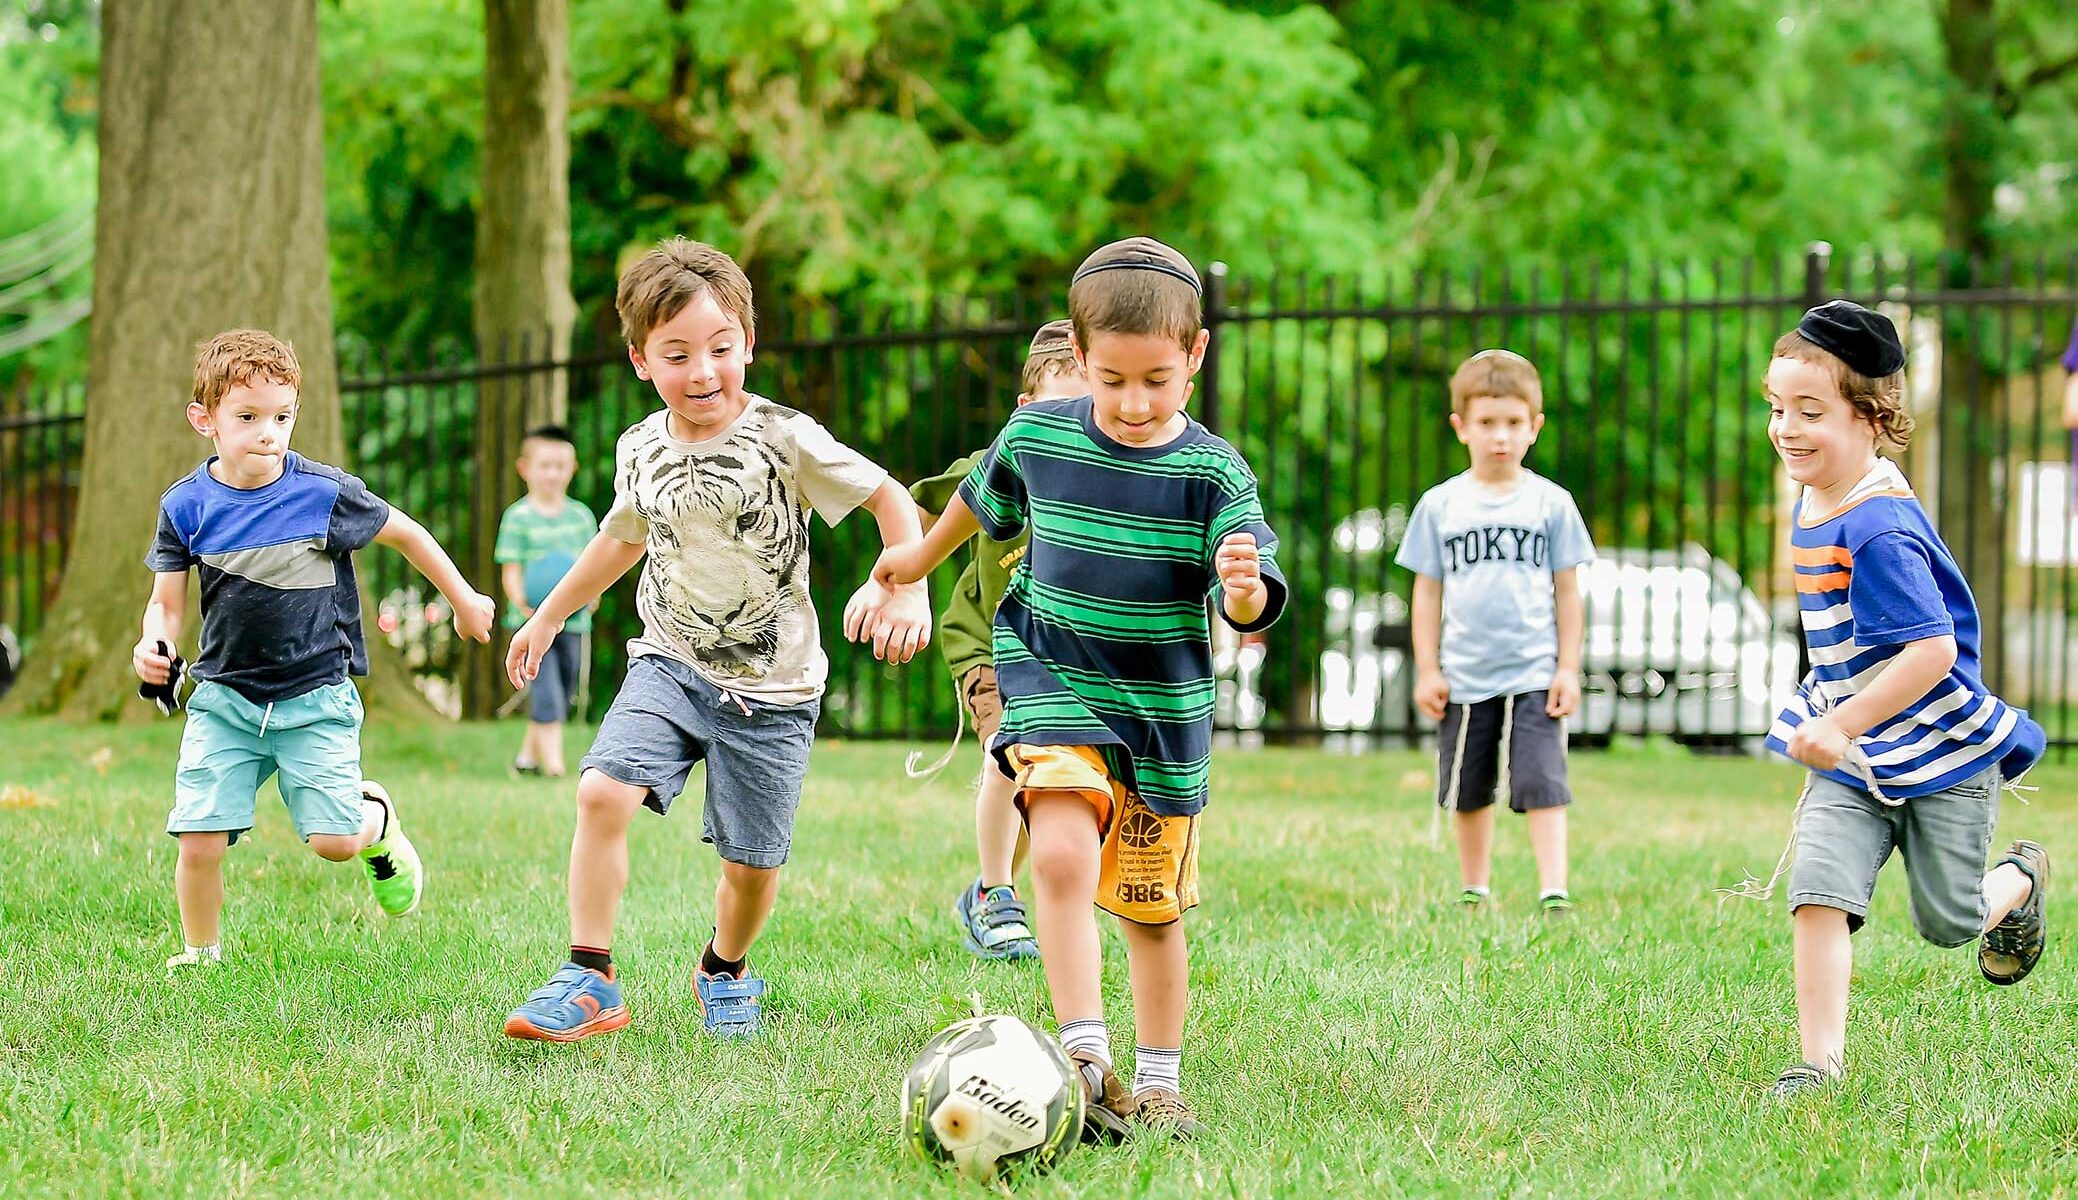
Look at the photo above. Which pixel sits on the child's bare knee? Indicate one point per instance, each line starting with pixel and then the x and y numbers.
pixel 203 849
pixel 745 880
pixel 602 797
pixel 335 847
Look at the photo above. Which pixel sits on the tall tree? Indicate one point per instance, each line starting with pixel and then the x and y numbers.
pixel 523 302
pixel 212 215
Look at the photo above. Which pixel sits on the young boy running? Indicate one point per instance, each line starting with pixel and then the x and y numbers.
pixel 1907 747
pixel 1137 515
pixel 540 536
pixel 990 915
pixel 1496 553
pixel 273 535
pixel 715 490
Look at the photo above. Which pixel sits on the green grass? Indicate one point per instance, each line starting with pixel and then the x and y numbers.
pixel 1351 1031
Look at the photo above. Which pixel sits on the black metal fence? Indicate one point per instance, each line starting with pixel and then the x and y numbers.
pixel 1334 390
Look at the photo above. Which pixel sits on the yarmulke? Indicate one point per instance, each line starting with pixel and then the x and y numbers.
pixel 1051 338
pixel 1860 337
pixel 1139 254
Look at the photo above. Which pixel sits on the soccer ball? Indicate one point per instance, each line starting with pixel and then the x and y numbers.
pixel 988 1092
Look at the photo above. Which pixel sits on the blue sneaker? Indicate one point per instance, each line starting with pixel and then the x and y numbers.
pixel 730 1003
pixel 573 1005
pixel 992 923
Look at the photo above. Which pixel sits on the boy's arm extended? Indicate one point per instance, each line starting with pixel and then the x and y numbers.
pixel 900 564
pixel 165 614
pixel 902 624
pixel 1571 612
pixel 474 611
pixel 1823 741
pixel 1431 689
pixel 605 559
pixel 512 577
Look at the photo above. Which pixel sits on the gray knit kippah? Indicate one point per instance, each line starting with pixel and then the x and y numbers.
pixel 1139 254
pixel 1051 338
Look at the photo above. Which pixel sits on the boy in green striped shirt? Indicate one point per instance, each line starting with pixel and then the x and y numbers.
pixel 1138 515
pixel 991 917
pixel 539 539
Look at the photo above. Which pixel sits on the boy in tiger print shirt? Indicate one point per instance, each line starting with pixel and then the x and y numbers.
pixel 716 489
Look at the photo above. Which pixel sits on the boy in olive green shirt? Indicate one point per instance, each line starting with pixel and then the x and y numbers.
pixel 992 918
pixel 539 538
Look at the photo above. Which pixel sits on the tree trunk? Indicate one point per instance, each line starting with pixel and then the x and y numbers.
pixel 1970 515
pixel 211 217
pixel 524 310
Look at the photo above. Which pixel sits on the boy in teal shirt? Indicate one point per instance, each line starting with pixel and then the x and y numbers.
pixel 992 918
pixel 539 537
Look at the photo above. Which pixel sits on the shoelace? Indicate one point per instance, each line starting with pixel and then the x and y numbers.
pixel 382 867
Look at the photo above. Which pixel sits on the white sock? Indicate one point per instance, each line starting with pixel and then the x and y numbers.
pixel 1157 1067
pixel 210 953
pixel 1088 1035
pixel 381 814
pixel 1548 893
pixel 1478 889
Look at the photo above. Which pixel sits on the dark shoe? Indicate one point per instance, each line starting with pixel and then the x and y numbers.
pixel 1164 1112
pixel 1107 1115
pixel 520 770
pixel 1800 1079
pixel 2010 949
pixel 1560 905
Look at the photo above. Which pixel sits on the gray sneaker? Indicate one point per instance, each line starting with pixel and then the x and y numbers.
pixel 1800 1079
pixel 993 923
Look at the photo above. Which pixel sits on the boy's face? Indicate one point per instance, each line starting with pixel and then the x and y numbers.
pixel 1499 431
pixel 1138 384
pixel 547 465
pixel 696 360
pixel 251 427
pixel 1822 442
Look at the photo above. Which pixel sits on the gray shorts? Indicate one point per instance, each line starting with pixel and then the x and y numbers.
pixel 1469 754
pixel 549 696
pixel 1845 835
pixel 667 717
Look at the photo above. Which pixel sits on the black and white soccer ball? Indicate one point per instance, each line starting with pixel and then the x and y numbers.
pixel 992 1092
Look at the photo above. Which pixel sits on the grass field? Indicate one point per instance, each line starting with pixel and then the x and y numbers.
pixel 1352 1032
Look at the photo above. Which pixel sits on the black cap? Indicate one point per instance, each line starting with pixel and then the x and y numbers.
pixel 1139 254
pixel 1862 338
pixel 1052 336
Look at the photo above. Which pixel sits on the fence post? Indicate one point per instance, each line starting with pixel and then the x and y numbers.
pixel 1817 257
pixel 1215 316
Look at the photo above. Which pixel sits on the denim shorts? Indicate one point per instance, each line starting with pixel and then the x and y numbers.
pixel 1845 835
pixel 230 746
pixel 667 717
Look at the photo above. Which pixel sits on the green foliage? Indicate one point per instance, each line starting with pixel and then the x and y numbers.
pixel 47 54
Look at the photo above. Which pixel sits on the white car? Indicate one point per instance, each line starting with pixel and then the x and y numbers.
pixel 1677 644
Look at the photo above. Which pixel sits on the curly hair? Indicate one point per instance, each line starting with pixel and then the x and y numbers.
pixel 238 358
pixel 1878 400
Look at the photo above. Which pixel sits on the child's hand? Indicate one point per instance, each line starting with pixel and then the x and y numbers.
pixel 1563 700
pixel 529 646
pixel 475 615
pixel 1819 743
pixel 1240 566
pixel 1431 694
pixel 151 666
pixel 900 564
pixel 862 611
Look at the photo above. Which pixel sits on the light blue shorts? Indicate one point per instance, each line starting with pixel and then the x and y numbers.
pixel 231 746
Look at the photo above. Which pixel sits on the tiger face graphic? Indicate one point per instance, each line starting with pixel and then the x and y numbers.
pixel 728 539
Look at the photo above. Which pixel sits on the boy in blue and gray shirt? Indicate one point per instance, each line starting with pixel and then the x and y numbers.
pixel 1496 554
pixel 273 535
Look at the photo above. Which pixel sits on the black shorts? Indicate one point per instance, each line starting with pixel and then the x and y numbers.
pixel 1469 757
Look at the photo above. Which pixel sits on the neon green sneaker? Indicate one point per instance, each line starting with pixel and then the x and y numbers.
pixel 394 872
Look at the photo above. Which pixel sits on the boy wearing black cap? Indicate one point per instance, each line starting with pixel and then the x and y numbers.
pixel 991 917
pixel 1906 745
pixel 1103 652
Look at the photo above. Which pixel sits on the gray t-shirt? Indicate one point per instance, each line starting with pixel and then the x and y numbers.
pixel 1496 552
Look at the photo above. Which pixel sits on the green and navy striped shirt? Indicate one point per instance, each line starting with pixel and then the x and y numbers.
pixel 1102 639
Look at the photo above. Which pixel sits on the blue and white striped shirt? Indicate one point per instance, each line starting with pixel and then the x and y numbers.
pixel 1872 576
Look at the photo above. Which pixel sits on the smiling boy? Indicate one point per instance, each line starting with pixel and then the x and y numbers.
pixel 1103 656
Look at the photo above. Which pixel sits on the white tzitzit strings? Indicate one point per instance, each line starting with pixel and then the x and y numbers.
pixel 909 766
